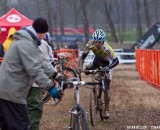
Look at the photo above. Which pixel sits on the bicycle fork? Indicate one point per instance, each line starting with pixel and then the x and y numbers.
pixel 74 117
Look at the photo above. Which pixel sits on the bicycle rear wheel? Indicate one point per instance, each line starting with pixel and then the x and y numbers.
pixel 93 107
pixel 101 103
pixel 80 121
pixel 70 73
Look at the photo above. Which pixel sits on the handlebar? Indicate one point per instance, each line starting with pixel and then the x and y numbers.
pixel 100 69
pixel 76 82
pixel 92 71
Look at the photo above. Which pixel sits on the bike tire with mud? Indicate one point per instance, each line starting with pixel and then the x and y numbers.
pixel 70 73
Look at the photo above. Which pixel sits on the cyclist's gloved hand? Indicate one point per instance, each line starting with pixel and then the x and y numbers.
pixel 55 93
pixel 106 69
pixel 59 77
pixel 78 70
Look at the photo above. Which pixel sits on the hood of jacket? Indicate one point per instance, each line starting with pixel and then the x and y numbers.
pixel 11 32
pixel 23 34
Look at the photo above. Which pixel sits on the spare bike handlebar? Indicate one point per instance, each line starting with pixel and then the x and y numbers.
pixel 76 82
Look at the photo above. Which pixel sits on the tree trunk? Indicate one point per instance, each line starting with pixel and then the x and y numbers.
pixel 49 14
pixel 86 22
pixel 156 5
pixel 139 26
pixel 111 25
pixel 146 11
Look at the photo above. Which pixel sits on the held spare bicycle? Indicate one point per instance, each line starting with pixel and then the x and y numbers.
pixel 59 65
pixel 78 120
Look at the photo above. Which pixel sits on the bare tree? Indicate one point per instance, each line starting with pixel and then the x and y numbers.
pixel 4 5
pixel 86 21
pixel 156 9
pixel 61 7
pixel 146 11
pixel 39 9
pixel 111 24
pixel 76 10
pixel 49 14
pixel 24 7
pixel 138 15
pixel 121 18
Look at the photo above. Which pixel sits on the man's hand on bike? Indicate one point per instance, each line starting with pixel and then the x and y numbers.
pixel 78 70
pixel 60 77
pixel 106 69
pixel 55 93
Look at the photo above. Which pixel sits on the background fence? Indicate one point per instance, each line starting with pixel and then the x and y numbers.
pixel 148 66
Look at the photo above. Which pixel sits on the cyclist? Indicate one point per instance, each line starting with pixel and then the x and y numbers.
pixel 104 57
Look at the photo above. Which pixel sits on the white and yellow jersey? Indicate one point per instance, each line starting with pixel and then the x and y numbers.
pixel 105 53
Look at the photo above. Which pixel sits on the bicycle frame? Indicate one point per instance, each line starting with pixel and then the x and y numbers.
pixel 96 101
pixel 77 111
pixel 69 72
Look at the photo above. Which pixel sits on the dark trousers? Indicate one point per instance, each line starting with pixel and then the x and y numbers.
pixel 97 63
pixel 13 116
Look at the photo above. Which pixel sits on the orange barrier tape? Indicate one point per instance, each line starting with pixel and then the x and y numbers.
pixel 148 66
pixel 71 54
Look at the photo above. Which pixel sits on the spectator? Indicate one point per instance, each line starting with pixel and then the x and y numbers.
pixel 9 39
pixel 48 40
pixel 34 98
pixel 1 50
pixel 74 45
pixel 21 66
pixel 49 46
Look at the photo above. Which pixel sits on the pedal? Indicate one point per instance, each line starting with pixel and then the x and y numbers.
pixel 74 112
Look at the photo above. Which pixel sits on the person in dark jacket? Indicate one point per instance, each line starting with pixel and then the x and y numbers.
pixel 21 66
pixel 74 45
pixel 1 50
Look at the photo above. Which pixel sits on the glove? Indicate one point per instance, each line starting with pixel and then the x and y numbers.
pixel 55 93
pixel 106 69
pixel 78 70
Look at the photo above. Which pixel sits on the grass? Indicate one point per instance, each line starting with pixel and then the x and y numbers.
pixel 130 35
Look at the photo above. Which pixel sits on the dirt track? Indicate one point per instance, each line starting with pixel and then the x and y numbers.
pixel 134 105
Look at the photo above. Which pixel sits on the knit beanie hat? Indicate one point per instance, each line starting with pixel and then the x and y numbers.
pixel 40 25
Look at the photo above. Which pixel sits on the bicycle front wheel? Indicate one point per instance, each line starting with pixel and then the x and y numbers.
pixel 69 72
pixel 93 107
pixel 80 121
pixel 101 103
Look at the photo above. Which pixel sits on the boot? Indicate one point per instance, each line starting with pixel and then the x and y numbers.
pixel 106 115
pixel 107 100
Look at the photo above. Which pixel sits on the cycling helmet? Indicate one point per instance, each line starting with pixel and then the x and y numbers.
pixel 99 35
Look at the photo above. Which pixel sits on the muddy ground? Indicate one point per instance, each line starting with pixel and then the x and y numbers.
pixel 134 105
